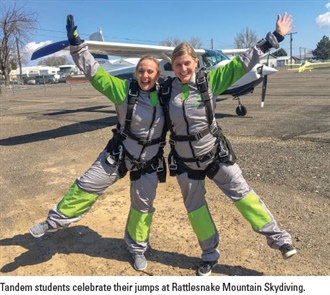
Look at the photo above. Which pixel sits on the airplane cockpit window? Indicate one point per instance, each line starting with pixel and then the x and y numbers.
pixel 213 57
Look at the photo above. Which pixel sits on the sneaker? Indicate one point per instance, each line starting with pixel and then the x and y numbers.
pixel 205 268
pixel 39 229
pixel 287 251
pixel 140 262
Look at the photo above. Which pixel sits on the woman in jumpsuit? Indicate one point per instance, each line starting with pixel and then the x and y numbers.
pixel 198 148
pixel 139 151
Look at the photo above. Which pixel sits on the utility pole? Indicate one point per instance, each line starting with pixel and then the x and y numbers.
pixel 304 48
pixel 291 39
pixel 211 43
pixel 19 62
pixel 305 53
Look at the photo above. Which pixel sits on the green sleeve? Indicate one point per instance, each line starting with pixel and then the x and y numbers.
pixel 112 87
pixel 223 77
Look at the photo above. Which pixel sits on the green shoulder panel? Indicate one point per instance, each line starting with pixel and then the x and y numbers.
pixel 222 77
pixel 112 87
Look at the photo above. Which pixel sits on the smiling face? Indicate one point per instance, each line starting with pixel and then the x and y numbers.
pixel 147 73
pixel 184 67
pixel 184 62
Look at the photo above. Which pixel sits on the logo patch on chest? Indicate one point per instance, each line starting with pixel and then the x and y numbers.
pixel 198 103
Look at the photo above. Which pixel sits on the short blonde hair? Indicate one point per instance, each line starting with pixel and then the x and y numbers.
pixel 144 58
pixel 182 49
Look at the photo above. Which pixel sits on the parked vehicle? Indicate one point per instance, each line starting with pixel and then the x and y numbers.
pixel 46 79
pixel 31 82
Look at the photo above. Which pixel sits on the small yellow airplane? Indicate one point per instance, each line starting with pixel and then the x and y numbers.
pixel 312 65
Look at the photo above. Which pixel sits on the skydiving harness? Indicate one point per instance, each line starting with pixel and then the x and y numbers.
pixel 222 151
pixel 116 151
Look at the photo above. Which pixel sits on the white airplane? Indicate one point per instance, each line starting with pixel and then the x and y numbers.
pixel 124 68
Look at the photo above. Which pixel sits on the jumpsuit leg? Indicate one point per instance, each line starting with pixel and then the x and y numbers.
pixel 193 192
pixel 143 192
pixel 83 193
pixel 230 180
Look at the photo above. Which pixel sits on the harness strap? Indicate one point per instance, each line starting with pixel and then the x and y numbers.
pixel 192 174
pixel 202 86
pixel 156 164
pixel 132 98
pixel 164 98
pixel 192 137
pixel 133 94
pixel 143 142
pixel 211 154
pixel 143 165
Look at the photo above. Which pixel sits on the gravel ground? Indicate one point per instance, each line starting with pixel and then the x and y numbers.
pixel 50 135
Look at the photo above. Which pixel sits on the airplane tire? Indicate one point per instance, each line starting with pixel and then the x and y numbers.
pixel 241 110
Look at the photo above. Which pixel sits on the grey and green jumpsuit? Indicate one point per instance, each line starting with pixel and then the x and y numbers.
pixel 147 123
pixel 188 117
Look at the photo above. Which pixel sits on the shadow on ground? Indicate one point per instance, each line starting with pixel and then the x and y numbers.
pixel 83 240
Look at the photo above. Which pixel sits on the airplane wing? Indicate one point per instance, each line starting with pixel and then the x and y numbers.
pixel 233 51
pixel 138 50
pixel 112 48
pixel 131 50
pixel 120 49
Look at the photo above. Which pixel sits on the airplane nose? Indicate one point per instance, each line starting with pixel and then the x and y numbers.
pixel 266 70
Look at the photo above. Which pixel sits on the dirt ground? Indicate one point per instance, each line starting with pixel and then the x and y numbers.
pixel 50 135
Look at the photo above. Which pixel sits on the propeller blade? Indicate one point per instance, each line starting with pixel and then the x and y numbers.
pixel 50 49
pixel 264 82
pixel 263 90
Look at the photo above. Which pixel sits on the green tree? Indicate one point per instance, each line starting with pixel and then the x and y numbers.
pixel 280 52
pixel 322 51
pixel 16 27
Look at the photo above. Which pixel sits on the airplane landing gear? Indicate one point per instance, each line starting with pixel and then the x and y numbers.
pixel 240 110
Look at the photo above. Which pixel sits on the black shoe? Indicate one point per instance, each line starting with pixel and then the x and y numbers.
pixel 287 251
pixel 205 268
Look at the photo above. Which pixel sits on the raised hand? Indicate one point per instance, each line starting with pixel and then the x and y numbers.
pixel 72 33
pixel 284 24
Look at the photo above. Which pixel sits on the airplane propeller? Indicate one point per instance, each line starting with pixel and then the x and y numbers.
pixel 264 84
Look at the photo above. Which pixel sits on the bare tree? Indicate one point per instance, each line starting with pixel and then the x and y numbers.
pixel 16 27
pixel 245 39
pixel 54 61
pixel 193 41
pixel 171 42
